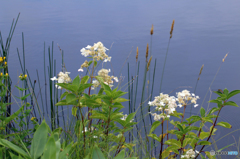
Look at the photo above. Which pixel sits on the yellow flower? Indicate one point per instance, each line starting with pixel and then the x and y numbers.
pixel 5 63
pixel 25 75
pixel 6 74
pixel 1 74
pixel 33 118
pixel 1 59
pixel 4 58
pixel 20 76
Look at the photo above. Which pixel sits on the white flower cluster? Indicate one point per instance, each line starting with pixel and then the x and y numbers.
pixel 97 51
pixel 189 154
pixel 108 80
pixel 125 117
pixel 167 103
pixel 185 96
pixel 62 78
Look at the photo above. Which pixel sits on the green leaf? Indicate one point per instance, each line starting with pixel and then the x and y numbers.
pixel 63 95
pixel 215 101
pixel 121 155
pixel 202 112
pixel 186 141
pixel 97 154
pixel 225 91
pixel 39 140
pixel 15 148
pixel 173 142
pixel 130 117
pixel 21 89
pixel 154 126
pixel 74 111
pixel 233 93
pixel 84 79
pixel 62 102
pixel 76 81
pixel 204 143
pixel 231 103
pixel 204 135
pixel 117 105
pixel 155 137
pixel 24 97
pixel 214 109
pixel 173 149
pixel 95 63
pixel 50 149
pixel 70 97
pixel 119 100
pixel 206 119
pixel 180 127
pixel 14 115
pixel 63 154
pixel 224 124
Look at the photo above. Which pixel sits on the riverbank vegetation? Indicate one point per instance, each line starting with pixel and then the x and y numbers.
pixel 82 118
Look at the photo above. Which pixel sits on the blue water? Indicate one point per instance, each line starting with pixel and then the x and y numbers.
pixel 204 32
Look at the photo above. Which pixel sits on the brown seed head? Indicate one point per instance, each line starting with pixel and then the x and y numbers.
pixel 137 55
pixel 172 28
pixel 147 52
pixel 151 32
pixel 149 62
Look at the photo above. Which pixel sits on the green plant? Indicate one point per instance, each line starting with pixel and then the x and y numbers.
pixel 42 145
pixel 186 140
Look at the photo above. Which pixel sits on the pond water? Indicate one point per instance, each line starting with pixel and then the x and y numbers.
pixel 204 32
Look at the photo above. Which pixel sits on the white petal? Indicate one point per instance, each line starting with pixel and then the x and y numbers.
pixel 88 47
pixel 195 105
pixel 80 70
pixel 54 79
pixel 67 72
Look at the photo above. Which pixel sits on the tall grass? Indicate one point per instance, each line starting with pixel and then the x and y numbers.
pixel 145 148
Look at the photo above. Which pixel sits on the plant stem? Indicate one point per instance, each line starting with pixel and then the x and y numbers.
pixel 160 156
pixel 214 124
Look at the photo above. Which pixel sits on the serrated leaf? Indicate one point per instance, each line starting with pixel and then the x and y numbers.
pixel 224 124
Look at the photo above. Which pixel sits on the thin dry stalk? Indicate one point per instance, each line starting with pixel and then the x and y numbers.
pixel 137 55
